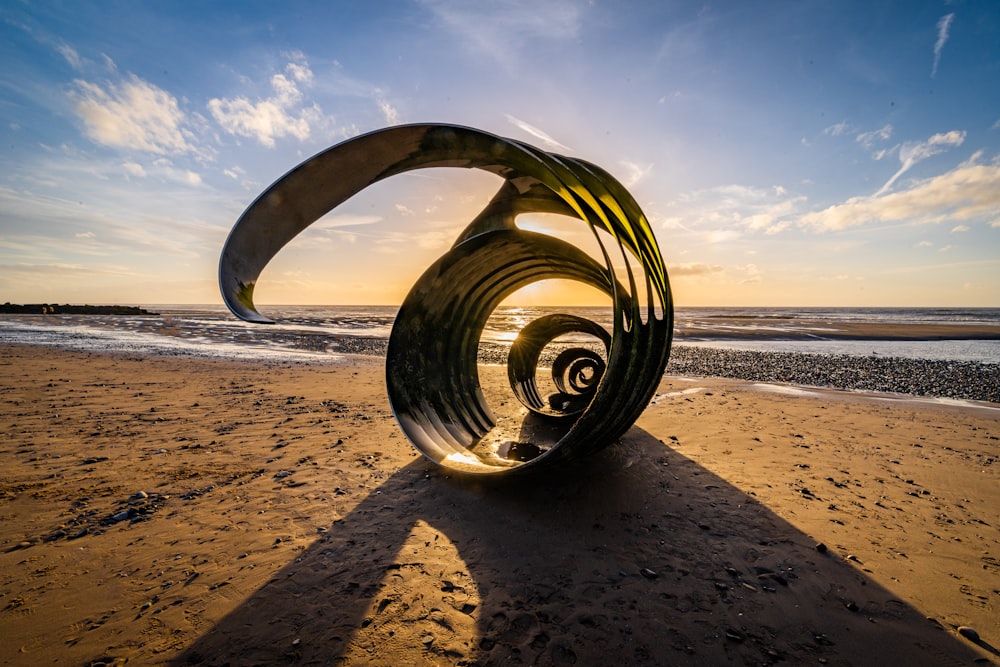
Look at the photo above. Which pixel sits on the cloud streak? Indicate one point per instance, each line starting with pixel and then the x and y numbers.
pixel 944 27
pixel 538 134
pixel 911 153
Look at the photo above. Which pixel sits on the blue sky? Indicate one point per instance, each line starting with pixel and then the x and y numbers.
pixel 786 153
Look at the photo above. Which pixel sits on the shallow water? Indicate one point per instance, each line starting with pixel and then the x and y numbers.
pixel 311 332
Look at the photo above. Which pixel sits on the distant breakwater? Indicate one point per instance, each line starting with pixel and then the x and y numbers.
pixel 67 309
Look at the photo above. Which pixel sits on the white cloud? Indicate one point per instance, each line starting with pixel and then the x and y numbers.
pixel 943 26
pixel 86 235
pixel 960 228
pixel 549 142
pixel 135 169
pixel 925 244
pixel 911 153
pixel 277 116
pixel 967 192
pixel 693 269
pixel 944 248
pixel 723 235
pixel 134 114
pixel 634 173
pixel 868 139
pixel 404 210
pixel 673 223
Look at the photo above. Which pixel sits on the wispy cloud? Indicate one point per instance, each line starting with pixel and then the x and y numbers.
pixel 500 28
pixel 837 129
pixel 943 27
pixel 869 139
pixel 133 114
pixel 389 112
pixel 339 220
pixel 731 210
pixel 71 56
pixel 960 228
pixel 911 153
pixel 753 274
pixel 538 134
pixel 279 115
pixel 694 269
pixel 968 192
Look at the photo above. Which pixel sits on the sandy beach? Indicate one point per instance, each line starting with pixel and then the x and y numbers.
pixel 172 510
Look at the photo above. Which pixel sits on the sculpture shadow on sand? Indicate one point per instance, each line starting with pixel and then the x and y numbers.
pixel 636 555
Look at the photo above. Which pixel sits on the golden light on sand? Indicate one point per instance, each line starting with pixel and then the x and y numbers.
pixel 402 617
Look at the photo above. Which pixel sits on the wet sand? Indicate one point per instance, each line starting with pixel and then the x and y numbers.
pixel 179 511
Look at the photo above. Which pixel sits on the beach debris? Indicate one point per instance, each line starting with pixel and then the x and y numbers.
pixel 597 387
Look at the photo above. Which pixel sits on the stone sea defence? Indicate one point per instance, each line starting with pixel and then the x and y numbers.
pixel 67 309
pixel 964 380
pixel 919 377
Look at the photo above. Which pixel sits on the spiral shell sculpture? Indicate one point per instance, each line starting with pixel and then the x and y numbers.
pixel 431 367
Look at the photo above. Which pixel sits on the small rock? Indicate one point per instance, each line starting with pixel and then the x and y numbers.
pixel 821 548
pixel 969 633
pixel 141 495
pixel 648 573
pixel 851 605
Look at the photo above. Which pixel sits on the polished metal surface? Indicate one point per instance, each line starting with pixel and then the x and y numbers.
pixel 432 368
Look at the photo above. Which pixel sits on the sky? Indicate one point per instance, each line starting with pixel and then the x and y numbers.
pixel 799 153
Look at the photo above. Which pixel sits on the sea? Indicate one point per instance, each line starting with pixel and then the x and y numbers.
pixel 312 333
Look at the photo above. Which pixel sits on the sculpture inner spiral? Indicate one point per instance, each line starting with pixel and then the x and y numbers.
pixel 598 390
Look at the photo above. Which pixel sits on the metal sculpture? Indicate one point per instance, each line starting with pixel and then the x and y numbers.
pixel 431 367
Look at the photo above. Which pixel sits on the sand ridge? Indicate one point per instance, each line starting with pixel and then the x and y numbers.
pixel 184 511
